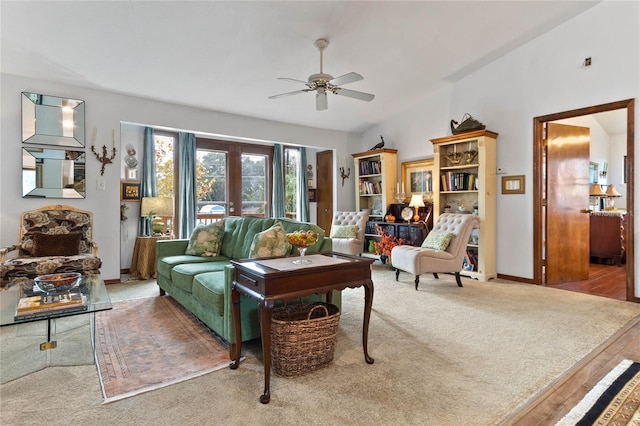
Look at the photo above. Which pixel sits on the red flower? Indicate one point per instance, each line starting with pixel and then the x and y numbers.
pixel 387 242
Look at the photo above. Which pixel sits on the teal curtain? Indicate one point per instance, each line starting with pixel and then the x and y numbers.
pixel 148 179
pixel 277 202
pixel 303 193
pixel 187 199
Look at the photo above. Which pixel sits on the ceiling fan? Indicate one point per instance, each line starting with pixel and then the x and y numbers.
pixel 323 83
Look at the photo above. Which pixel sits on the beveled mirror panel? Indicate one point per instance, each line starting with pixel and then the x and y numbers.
pixel 49 120
pixel 53 173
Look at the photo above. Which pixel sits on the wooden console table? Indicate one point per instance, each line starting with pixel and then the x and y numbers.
pixel 606 236
pixel 268 280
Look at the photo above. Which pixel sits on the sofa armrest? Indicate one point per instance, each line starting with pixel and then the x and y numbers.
pixel 6 250
pixel 327 244
pixel 166 248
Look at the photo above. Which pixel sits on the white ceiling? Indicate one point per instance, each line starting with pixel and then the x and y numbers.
pixel 227 55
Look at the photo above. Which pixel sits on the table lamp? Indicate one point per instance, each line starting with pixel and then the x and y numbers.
pixel 612 194
pixel 157 206
pixel 416 202
pixel 596 191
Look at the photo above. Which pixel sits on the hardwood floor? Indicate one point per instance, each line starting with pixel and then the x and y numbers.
pixel 604 280
pixel 562 395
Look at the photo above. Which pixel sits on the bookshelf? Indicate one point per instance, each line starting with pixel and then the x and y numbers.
pixel 465 166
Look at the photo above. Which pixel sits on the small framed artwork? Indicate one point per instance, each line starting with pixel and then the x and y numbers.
pixel 313 194
pixel 132 174
pixel 513 184
pixel 129 191
pixel 417 177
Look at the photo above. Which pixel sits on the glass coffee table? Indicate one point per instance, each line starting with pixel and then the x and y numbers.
pixel 91 286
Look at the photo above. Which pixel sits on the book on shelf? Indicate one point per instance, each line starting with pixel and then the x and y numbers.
pixel 34 306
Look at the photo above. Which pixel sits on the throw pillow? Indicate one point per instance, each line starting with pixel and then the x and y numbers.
pixel 437 240
pixel 55 244
pixel 270 242
pixel 344 231
pixel 206 240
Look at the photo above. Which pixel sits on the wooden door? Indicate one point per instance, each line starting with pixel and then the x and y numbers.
pixel 324 167
pixel 567 188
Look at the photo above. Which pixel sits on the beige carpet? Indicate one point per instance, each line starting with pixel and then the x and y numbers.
pixel 145 344
pixel 444 355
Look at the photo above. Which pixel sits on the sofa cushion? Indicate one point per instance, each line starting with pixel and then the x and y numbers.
pixel 55 244
pixel 437 240
pixel 206 239
pixel 182 275
pixel 165 264
pixel 270 242
pixel 344 231
pixel 208 289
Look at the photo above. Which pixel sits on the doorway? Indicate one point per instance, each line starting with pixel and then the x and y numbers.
pixel 541 181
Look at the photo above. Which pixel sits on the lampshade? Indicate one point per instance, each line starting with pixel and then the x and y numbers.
pixel 596 191
pixel 158 206
pixel 416 201
pixel 612 192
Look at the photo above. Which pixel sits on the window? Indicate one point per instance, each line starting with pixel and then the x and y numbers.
pixel 291 193
pixel 164 146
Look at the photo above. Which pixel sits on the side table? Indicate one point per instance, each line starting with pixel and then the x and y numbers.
pixel 143 263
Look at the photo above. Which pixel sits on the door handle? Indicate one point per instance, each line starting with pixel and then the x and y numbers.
pixel 587 211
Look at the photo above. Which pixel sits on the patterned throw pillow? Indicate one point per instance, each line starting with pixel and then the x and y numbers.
pixel 344 231
pixel 206 240
pixel 55 244
pixel 270 242
pixel 437 240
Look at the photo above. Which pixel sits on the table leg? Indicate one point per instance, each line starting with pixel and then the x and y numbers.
pixel 266 307
pixel 368 302
pixel 235 349
pixel 48 344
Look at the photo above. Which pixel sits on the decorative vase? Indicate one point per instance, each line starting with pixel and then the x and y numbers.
pixel 372 246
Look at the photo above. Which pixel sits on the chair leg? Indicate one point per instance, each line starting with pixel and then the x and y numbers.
pixel 417 281
pixel 435 275
pixel 458 279
pixel 397 273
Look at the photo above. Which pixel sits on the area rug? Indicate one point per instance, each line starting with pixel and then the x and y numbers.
pixel 615 400
pixel 145 344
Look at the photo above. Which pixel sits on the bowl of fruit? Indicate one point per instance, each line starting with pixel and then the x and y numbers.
pixel 302 240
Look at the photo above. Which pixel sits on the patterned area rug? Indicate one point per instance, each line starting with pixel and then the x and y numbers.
pixel 145 344
pixel 615 400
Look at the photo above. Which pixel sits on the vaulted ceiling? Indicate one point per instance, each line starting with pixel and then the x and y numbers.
pixel 227 55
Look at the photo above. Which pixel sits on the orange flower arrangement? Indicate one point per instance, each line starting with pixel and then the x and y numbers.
pixel 387 242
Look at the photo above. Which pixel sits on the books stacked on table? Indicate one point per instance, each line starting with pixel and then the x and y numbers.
pixel 42 306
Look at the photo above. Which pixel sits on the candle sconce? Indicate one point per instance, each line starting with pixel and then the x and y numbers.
pixel 344 175
pixel 470 155
pixel 454 157
pixel 104 159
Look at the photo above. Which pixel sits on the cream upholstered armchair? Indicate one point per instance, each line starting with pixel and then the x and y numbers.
pixel 52 239
pixel 347 232
pixel 442 251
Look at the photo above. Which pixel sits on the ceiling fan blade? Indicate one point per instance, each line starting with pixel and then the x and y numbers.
pixel 354 94
pixel 289 94
pixel 306 83
pixel 321 100
pixel 346 79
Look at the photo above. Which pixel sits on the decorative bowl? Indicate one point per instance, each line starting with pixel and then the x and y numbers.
pixel 302 238
pixel 57 283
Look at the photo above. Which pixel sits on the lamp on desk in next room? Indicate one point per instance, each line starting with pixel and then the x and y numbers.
pixel 416 202
pixel 158 211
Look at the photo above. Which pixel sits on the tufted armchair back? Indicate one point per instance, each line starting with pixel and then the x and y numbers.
pixel 349 219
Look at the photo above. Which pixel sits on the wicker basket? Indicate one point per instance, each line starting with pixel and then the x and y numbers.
pixel 303 337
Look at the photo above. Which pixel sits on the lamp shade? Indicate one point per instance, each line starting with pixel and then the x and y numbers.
pixel 612 192
pixel 156 206
pixel 596 191
pixel 416 201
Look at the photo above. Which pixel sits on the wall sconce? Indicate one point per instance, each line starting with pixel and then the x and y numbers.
pixel 104 159
pixel 344 175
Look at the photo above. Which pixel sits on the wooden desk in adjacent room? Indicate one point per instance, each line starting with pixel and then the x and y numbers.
pixel 606 236
pixel 143 263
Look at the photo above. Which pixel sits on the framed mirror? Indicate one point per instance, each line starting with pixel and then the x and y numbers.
pixel 53 173
pixel 49 120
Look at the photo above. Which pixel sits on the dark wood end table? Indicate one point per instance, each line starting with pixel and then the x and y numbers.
pixel 268 280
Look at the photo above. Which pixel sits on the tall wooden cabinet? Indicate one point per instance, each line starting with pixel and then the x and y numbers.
pixel 465 169
pixel 376 178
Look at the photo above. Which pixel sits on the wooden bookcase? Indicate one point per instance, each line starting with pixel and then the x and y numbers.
pixel 465 170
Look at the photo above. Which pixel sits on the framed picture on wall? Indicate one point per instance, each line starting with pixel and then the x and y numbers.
pixel 417 177
pixel 313 195
pixel 129 191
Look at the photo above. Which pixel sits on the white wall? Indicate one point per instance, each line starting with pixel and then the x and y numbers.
pixel 106 111
pixel 543 77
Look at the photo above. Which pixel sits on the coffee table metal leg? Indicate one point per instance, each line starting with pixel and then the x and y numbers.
pixel 266 307
pixel 48 344
pixel 368 302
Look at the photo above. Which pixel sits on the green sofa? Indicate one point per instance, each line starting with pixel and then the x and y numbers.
pixel 203 284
